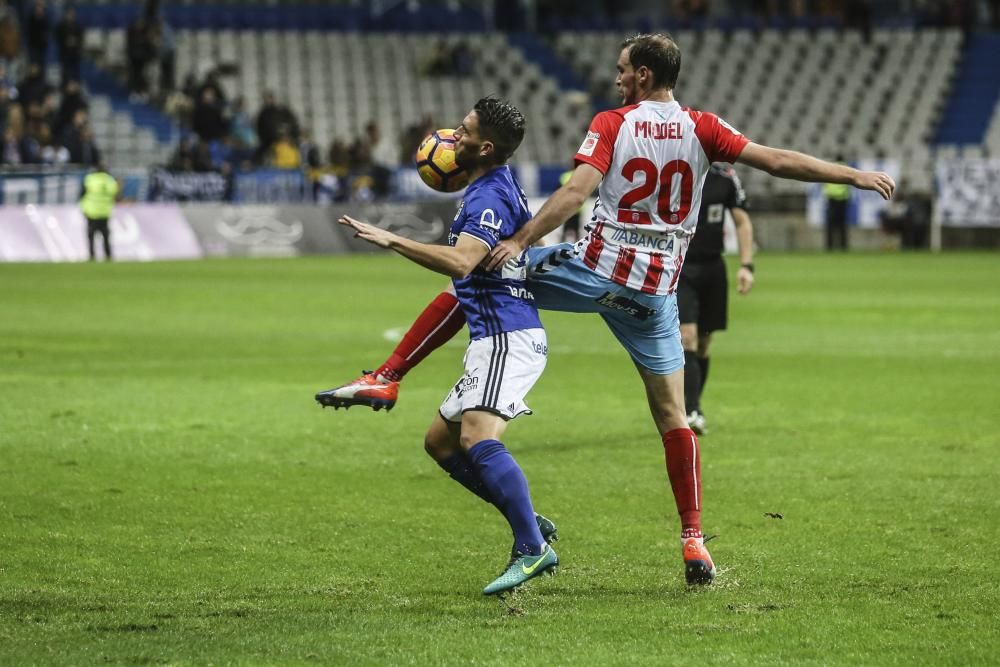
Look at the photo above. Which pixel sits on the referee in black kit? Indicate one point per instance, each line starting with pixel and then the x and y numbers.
pixel 703 291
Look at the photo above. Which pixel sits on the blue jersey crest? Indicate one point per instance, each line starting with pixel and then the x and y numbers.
pixel 493 209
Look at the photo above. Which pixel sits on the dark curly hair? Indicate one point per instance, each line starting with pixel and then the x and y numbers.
pixel 659 53
pixel 502 123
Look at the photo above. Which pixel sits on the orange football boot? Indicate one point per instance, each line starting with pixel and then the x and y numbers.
pixel 698 565
pixel 369 389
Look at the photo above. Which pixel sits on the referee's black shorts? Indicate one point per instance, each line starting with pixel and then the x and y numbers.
pixel 703 294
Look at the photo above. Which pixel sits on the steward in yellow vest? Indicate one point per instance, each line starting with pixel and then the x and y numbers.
pixel 100 192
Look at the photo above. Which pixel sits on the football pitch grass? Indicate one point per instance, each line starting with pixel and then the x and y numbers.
pixel 171 494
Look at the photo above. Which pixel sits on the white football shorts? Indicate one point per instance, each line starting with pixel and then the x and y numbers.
pixel 500 370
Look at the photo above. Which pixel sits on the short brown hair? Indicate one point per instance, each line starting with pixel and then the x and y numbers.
pixel 658 53
pixel 502 123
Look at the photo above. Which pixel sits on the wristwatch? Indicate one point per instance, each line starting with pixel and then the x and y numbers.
pixel 748 266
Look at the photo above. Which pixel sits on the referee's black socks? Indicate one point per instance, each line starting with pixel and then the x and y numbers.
pixel 692 382
pixel 703 361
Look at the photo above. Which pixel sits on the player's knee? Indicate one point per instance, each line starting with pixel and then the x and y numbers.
pixel 670 417
pixel 689 337
pixel 469 440
pixel 434 447
pixel 703 344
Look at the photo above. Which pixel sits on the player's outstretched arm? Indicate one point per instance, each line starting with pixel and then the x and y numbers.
pixel 563 203
pixel 455 261
pixel 802 167
pixel 744 241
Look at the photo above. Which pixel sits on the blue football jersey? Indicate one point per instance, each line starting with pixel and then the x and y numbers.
pixel 494 302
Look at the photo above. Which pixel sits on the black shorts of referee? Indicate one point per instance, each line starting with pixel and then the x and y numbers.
pixel 703 294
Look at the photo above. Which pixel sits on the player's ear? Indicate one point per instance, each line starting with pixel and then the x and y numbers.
pixel 487 149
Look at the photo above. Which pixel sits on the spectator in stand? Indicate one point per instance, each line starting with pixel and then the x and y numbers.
pixel 440 63
pixel 5 106
pixel 6 82
pixel 220 152
pixel 34 88
pixel 30 147
pixel 201 156
pixel 383 159
pixel 48 109
pixel 89 155
pixel 463 59
pixel 10 151
pixel 271 117
pixel 70 132
pixel 412 136
pixel 72 101
pixel 10 33
pixel 284 154
pixel 691 10
pixel 360 157
pixel 208 120
pixel 36 33
pixel 139 52
pixel 240 126
pixel 52 153
pixel 212 83
pixel 166 42
pixel 69 39
pixel 78 139
pixel 309 152
pixel 180 103
pixel 183 158
pixel 340 158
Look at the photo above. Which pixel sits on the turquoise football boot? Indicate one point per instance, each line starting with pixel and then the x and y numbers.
pixel 549 533
pixel 523 568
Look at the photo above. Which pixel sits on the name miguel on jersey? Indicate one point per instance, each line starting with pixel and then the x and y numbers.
pixel 647 129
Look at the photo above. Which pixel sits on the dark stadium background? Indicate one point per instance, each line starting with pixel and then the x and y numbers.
pixel 293 104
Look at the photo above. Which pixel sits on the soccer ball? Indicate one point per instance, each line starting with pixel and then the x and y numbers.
pixel 436 162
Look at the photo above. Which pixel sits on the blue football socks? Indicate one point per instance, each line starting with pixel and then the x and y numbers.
pixel 508 487
pixel 462 471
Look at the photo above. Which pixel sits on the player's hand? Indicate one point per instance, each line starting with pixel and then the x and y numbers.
pixel 367 232
pixel 878 181
pixel 503 252
pixel 744 280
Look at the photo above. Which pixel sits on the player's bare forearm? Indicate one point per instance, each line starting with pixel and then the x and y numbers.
pixel 438 258
pixel 799 166
pixel 744 235
pixel 802 167
pixel 560 206
pixel 557 210
pixel 454 261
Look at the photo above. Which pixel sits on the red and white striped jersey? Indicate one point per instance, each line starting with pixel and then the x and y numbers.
pixel 654 157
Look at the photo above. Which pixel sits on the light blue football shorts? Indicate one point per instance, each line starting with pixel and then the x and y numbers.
pixel 647 325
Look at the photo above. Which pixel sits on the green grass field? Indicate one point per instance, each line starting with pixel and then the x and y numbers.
pixel 170 493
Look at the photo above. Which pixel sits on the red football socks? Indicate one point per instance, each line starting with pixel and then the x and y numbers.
pixel 684 470
pixel 440 321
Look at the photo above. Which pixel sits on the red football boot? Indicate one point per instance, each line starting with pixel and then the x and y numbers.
pixel 698 565
pixel 369 389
